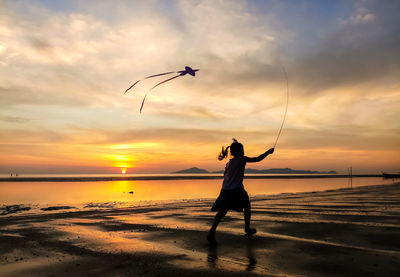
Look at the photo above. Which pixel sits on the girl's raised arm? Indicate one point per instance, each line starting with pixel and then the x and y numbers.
pixel 261 157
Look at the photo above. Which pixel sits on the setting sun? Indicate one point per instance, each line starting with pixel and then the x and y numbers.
pixel 123 170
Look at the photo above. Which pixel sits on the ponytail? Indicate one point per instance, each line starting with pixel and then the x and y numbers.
pixel 236 150
pixel 223 154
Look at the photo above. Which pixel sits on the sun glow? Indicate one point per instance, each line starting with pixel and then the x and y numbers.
pixel 121 160
pixel 138 145
pixel 123 170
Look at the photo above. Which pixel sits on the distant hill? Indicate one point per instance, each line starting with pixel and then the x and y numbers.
pixel 259 171
pixel 192 170
pixel 286 171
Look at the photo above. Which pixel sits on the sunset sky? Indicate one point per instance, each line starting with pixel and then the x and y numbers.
pixel 64 66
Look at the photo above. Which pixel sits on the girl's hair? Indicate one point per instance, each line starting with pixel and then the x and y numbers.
pixel 236 150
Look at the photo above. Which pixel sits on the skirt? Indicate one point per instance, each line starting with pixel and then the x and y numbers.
pixel 233 199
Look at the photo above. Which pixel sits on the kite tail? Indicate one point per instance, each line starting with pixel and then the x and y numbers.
pixel 131 86
pixel 161 74
pixel 165 81
pixel 155 87
pixel 287 104
pixel 151 76
pixel 144 99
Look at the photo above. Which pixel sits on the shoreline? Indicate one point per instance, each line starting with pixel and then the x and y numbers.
pixel 90 207
pixel 169 177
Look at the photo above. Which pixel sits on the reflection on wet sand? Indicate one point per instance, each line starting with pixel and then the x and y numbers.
pixel 250 245
pixel 350 232
pixel 212 256
pixel 251 255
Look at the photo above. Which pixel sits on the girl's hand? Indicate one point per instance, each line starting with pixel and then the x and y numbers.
pixel 271 151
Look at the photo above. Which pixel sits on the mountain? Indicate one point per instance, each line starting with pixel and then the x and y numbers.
pixel 258 171
pixel 192 170
pixel 286 171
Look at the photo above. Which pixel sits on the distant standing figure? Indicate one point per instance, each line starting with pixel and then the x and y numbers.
pixel 233 195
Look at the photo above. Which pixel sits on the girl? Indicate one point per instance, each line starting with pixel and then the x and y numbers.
pixel 233 196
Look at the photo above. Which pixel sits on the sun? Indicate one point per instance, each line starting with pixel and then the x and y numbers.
pixel 123 170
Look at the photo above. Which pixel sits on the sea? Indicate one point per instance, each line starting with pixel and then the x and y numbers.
pixel 41 194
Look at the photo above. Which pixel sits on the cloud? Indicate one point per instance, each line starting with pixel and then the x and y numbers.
pixel 65 67
pixel 358 19
pixel 341 137
pixel 14 119
pixel 79 59
pixel 361 49
pixel 149 150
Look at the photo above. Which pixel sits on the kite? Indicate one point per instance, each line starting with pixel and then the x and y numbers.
pixel 188 70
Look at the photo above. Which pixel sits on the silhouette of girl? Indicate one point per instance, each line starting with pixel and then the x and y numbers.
pixel 233 195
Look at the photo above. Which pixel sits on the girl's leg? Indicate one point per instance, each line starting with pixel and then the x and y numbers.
pixel 211 234
pixel 217 220
pixel 247 216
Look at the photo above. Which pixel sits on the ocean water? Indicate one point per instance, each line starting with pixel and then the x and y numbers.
pixel 88 193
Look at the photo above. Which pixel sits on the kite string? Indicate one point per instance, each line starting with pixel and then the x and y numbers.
pixel 287 104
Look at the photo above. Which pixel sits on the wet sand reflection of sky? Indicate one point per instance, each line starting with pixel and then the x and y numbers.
pixel 73 193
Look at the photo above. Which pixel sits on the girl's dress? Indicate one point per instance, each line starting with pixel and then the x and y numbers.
pixel 233 195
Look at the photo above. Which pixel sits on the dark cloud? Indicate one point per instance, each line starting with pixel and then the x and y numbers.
pixel 356 51
pixel 45 168
pixel 191 112
pixel 42 47
pixel 350 137
pixel 18 95
pixel 17 137
pixel 347 138
pixel 349 51
pixel 14 119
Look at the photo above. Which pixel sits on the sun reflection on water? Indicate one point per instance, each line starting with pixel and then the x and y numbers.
pixel 156 190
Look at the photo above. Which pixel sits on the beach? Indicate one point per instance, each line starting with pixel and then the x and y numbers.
pixel 340 232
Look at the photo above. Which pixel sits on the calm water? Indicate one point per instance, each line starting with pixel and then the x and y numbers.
pixel 74 193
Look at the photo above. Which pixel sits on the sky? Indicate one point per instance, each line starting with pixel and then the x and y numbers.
pixel 64 66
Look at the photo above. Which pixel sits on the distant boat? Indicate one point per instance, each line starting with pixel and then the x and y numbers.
pixel 392 176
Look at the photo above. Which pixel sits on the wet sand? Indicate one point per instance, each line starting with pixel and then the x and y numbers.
pixel 346 232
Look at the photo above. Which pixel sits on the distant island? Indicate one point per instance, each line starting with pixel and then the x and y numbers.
pixel 192 170
pixel 195 170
